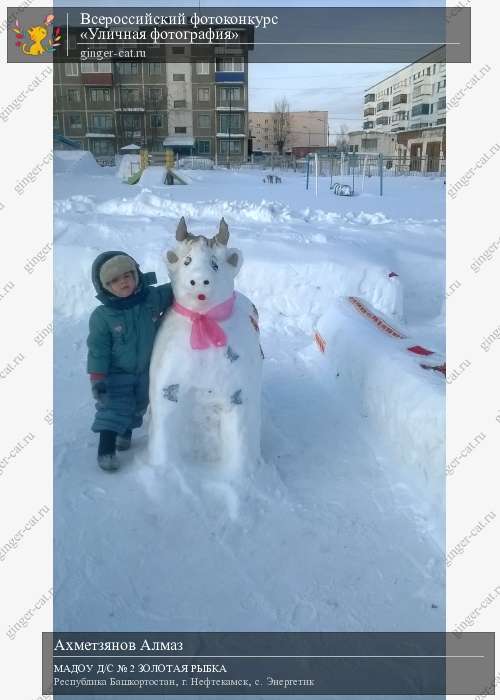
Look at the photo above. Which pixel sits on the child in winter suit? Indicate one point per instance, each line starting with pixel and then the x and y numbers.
pixel 120 342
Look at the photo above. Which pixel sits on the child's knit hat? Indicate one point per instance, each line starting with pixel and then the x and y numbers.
pixel 116 266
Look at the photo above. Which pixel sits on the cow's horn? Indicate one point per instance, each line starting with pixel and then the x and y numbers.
pixel 223 236
pixel 181 233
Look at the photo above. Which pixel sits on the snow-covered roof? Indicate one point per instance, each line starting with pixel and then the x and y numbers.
pixel 131 147
pixel 178 141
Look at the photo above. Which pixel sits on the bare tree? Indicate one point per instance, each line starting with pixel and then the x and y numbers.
pixel 342 139
pixel 281 123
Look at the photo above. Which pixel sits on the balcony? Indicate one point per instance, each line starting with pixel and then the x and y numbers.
pixel 422 108
pixel 368 125
pixel 130 104
pixel 229 77
pixel 97 78
pixel 422 90
pixel 101 131
pixel 382 106
pixel 382 121
pixel 400 117
pixel 369 112
pixel 98 135
pixel 235 106
pixel 400 99
pixel 370 97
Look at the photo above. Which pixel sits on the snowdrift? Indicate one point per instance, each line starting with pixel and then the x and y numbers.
pixel 401 390
pixel 76 163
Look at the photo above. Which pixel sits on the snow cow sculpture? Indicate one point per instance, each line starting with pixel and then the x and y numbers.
pixel 206 367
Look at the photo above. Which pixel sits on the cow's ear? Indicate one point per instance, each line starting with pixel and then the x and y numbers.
pixel 172 258
pixel 234 258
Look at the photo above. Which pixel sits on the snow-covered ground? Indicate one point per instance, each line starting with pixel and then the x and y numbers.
pixel 328 534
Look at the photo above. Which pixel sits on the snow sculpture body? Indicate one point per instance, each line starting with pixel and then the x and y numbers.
pixel 205 375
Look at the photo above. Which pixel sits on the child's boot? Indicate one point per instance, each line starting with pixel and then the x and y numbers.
pixel 106 452
pixel 123 441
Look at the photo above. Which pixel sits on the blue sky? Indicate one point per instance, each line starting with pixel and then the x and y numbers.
pixel 335 87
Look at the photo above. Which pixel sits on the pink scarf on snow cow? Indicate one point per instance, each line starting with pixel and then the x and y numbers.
pixel 206 331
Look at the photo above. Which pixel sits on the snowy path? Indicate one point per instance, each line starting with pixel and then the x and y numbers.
pixel 317 539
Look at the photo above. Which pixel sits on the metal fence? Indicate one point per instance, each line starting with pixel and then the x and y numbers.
pixel 338 164
pixel 333 165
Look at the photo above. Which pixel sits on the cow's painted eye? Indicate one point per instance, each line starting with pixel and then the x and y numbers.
pixel 214 264
pixel 187 260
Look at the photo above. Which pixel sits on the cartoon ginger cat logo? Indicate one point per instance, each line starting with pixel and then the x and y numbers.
pixel 37 35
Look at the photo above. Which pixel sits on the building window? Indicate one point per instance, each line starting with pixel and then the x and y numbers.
pixel 155 95
pixel 178 49
pixel 71 69
pixel 203 94
pixel 202 147
pixel 128 68
pixel 55 121
pixel 154 68
pixel 202 68
pixel 369 145
pixel 204 121
pixel 179 104
pixel 420 109
pixel 75 121
pixel 132 122
pixel 73 95
pixel 441 84
pixel 178 77
pixel 230 122
pixel 232 94
pixel 100 95
pixel 101 121
pixel 102 147
pixel 441 103
pixel 399 99
pixel 96 67
pixel 230 65
pixel 156 121
pixel 180 130
pixel 233 146
pixel 129 96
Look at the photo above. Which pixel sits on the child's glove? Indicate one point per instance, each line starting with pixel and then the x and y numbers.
pixel 98 386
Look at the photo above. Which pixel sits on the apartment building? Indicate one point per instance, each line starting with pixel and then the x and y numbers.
pixel 306 129
pixel 412 98
pixel 194 106
pixel 405 116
